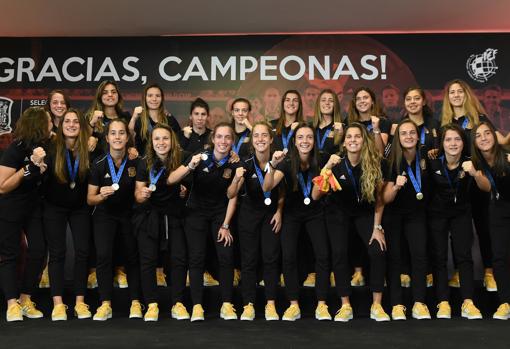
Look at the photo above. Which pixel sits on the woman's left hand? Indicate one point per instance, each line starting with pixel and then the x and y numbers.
pixel 224 235
pixel 378 235
pixel 132 153
pixel 276 221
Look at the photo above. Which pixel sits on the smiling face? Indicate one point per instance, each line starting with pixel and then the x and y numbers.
pixel 353 140
pixel 414 102
pixel 327 103
pixel 304 140
pixel 161 141
pixel 71 125
pixel 222 140
pixel 117 136
pixel 261 138
pixel 364 102
pixel 58 105
pixel 240 111
pixel 484 138
pixel 153 98
pixel 452 143
pixel 456 95
pixel 110 96
pixel 408 135
pixel 291 104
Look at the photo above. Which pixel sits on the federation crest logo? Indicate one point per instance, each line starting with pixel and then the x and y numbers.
pixel 5 115
pixel 482 66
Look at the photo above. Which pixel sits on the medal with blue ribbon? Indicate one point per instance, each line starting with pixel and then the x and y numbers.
pixel 353 179
pixel 465 123
pixel 154 177
pixel 73 170
pixel 239 143
pixel 213 161
pixel 306 188
pixel 286 138
pixel 422 135
pixel 322 141
pixel 267 194
pixel 416 181
pixel 447 175
pixel 494 189
pixel 116 175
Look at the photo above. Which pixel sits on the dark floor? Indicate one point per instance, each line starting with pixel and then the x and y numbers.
pixel 120 332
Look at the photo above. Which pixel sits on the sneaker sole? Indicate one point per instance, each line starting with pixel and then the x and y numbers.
pixel 272 318
pixel 150 319
pixel 135 316
pixel 322 318
pixel 109 316
pixel 33 316
pixel 472 317
pixel 454 286
pixel 180 317
pixel 59 318
pixel 81 317
pixel 308 285
pixel 497 317
pixel 224 317
pixel 15 319
pixel 245 318
pixel 417 317
pixel 193 319
pixel 378 319
pixel 292 319
pixel 443 317
pixel 343 320
pixel 491 289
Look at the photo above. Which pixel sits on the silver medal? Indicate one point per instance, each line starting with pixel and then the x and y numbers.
pixel 285 150
pixel 419 196
pixel 267 201
pixel 204 157
pixel 72 185
pixel 115 186
pixel 307 201
pixel 152 187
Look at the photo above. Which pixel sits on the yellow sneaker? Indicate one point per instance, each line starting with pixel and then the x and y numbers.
pixel 120 279
pixel 152 312
pixel 160 279
pixel 455 280
pixel 470 311
pixel 59 313
pixel 237 277
pixel 81 311
pixel 444 311
pixel 14 313
pixel 282 281
pixel 503 312
pixel 92 280
pixel 228 311
pixel 378 314
pixel 489 282
pixel 292 313
pixel 344 314
pixel 310 280
pixel 198 313
pixel 248 313
pixel 332 282
pixel 179 312
pixel 45 279
pixel 398 312
pixel 30 311
pixel 103 313
pixel 430 280
pixel 321 312
pixel 420 311
pixel 135 311
pixel 405 280
pixel 270 313
pixel 209 280
pixel 357 279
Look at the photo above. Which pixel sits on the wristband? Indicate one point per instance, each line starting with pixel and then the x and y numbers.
pixel 225 226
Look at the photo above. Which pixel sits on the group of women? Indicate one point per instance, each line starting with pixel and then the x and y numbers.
pixel 142 186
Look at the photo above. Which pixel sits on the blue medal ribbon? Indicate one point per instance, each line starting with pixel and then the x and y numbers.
pixel 155 177
pixel 73 170
pixel 267 194
pixel 286 138
pixel 213 161
pixel 306 188
pixel 351 176
pixel 116 175
pixel 416 181
pixel 321 142
pixel 370 127
pixel 447 175
pixel 465 123
pixel 494 189
pixel 422 135
pixel 238 145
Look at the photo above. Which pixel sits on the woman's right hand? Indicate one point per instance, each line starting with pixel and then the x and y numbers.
pixel 96 116
pixel 187 131
pixel 333 161
pixel 278 156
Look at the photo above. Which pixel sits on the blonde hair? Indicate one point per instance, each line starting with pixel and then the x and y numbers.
pixel 337 115
pixel 472 106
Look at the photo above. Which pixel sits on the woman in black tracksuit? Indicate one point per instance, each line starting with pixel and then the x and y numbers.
pixel 65 201
pixel 259 223
pixel 196 136
pixel 405 195
pixel 157 220
pixel 240 110
pixel 111 188
pixel 20 177
pixel 298 170
pixel 357 204
pixel 490 159
pixel 449 213
pixel 328 123
pixel 291 114
pixel 210 212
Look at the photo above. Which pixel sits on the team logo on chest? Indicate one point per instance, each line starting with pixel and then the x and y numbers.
pixel 227 173
pixel 131 171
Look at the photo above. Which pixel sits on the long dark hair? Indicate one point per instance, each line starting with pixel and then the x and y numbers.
pixel 97 103
pixel 32 127
pixel 427 111
pixel 145 117
pixel 295 161
pixel 500 167
pixel 173 160
pixel 280 125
